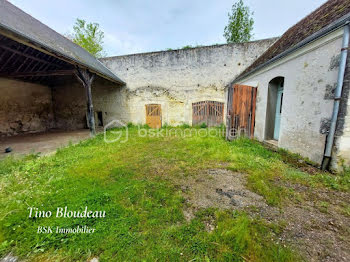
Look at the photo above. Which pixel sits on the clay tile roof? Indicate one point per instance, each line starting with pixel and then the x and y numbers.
pixel 323 16
pixel 24 26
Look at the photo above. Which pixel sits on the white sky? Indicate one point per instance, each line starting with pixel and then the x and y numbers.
pixel 133 26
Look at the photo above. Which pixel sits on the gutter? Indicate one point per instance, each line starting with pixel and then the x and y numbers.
pixel 337 97
pixel 326 30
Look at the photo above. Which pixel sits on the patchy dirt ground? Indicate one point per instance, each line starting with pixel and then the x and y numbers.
pixel 218 188
pixel 316 227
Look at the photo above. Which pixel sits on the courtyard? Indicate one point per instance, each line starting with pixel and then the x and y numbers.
pixel 174 197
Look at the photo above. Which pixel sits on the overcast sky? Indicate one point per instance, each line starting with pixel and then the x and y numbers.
pixel 133 26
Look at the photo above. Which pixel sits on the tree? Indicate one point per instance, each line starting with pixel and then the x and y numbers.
pixel 89 36
pixel 240 24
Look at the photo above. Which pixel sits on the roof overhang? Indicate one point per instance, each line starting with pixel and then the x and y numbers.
pixel 19 37
pixel 321 33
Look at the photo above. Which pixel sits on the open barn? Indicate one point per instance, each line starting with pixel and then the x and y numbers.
pixel 47 83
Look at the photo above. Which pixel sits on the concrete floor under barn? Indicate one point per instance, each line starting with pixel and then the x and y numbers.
pixel 43 143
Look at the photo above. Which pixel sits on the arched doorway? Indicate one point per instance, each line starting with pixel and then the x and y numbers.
pixel 274 108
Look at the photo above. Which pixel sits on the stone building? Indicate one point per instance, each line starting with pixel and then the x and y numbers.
pixel 283 91
pixel 40 91
pixel 298 84
pixel 179 80
pixel 38 69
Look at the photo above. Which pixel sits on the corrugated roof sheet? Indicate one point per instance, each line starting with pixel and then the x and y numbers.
pixel 323 16
pixel 25 26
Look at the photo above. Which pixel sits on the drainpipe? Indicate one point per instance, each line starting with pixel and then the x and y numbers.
pixel 337 97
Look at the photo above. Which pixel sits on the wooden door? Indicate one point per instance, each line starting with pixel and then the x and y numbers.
pixel 209 112
pixel 154 116
pixel 241 111
pixel 199 113
pixel 215 113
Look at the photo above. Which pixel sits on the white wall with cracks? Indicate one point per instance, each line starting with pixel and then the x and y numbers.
pixel 176 79
pixel 310 77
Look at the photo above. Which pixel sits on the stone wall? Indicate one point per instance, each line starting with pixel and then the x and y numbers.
pixel 69 102
pixel 69 105
pixel 310 76
pixel 176 79
pixel 25 107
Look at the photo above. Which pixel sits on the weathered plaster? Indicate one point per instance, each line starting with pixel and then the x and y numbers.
pixel 176 79
pixel 310 73
pixel 25 107
pixel 69 102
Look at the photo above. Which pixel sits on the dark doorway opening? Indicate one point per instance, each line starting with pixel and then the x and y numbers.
pixel 274 108
pixel 99 118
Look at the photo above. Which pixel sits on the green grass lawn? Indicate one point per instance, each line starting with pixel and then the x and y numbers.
pixel 132 183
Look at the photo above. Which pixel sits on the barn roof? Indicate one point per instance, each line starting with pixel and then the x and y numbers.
pixel 22 27
pixel 326 18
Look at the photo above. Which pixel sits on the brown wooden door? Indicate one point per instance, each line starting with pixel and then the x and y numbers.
pixel 154 116
pixel 241 111
pixel 209 112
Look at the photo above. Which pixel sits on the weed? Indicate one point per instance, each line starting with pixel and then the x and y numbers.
pixel 144 221
pixel 185 126
pixel 203 125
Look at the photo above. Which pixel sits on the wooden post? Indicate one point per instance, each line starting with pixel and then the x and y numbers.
pixel 86 78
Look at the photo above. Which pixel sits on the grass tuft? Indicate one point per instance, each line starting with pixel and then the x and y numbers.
pixel 132 182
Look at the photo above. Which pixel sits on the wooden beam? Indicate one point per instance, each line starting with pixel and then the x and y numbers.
pixel 31 61
pixel 39 73
pixel 14 61
pixel 36 47
pixel 7 61
pixel 86 78
pixel 26 55
pixel 3 55
pixel 44 67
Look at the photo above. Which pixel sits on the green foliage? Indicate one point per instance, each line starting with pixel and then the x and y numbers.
pixel 89 36
pixel 185 126
pixel 203 125
pixel 190 46
pixel 240 24
pixel 131 182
